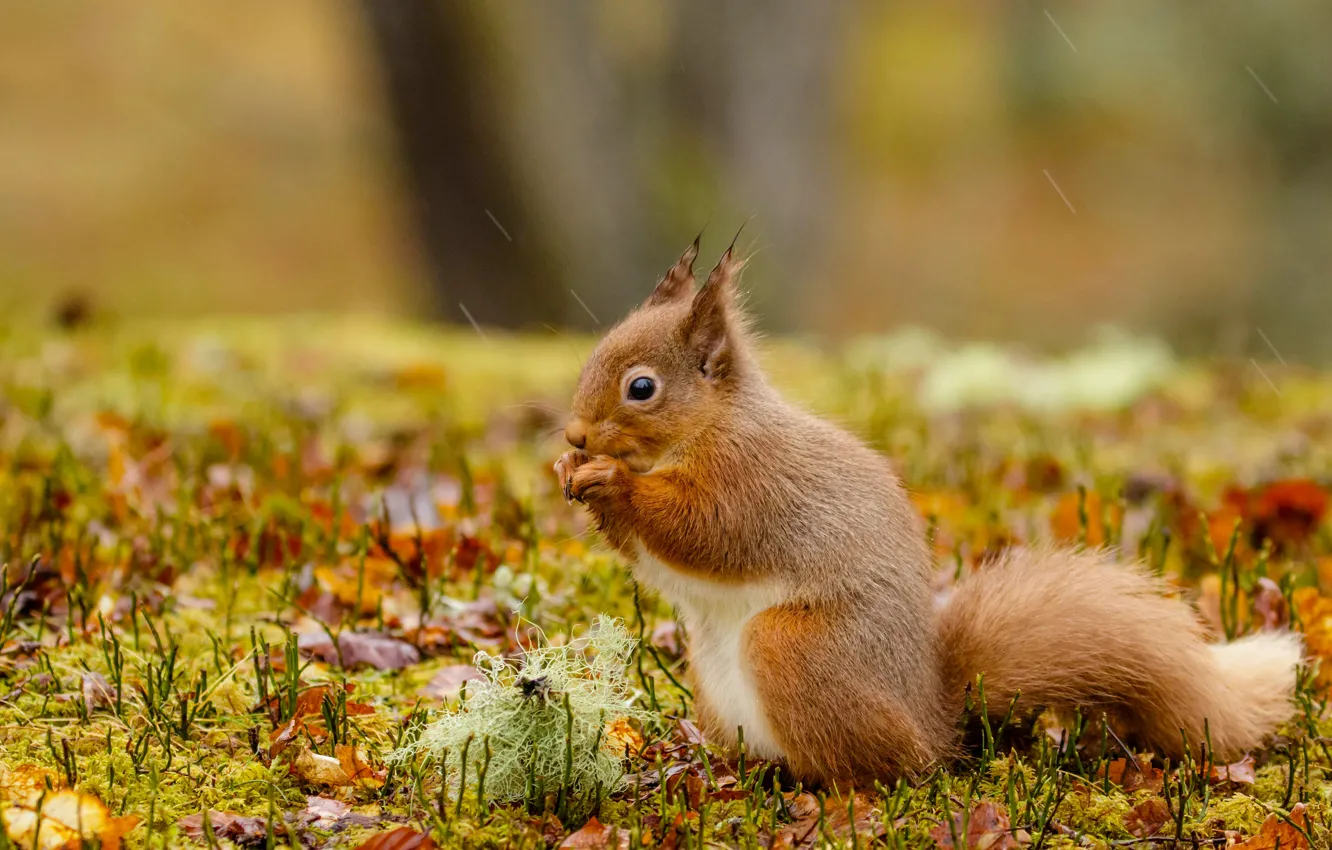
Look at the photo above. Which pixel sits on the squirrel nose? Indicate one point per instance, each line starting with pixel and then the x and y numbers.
pixel 576 433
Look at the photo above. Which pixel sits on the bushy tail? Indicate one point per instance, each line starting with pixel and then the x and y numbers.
pixel 1074 629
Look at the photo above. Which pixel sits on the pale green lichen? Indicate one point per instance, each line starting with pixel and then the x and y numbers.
pixel 545 722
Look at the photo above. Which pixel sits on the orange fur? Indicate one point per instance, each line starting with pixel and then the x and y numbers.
pixel 801 570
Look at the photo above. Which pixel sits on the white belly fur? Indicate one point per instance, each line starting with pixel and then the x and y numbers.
pixel 715 615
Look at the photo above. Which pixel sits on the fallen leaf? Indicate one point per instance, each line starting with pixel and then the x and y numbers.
pixel 1067 519
pixel 1239 773
pixel 26 782
pixel 67 819
pixel 375 649
pixel 805 831
pixel 1269 604
pixel 1134 775
pixel 622 738
pixel 1276 832
pixel 666 637
pixel 97 691
pixel 596 835
pixel 349 767
pixel 402 838
pixel 357 766
pixel 324 812
pixel 317 769
pixel 985 828
pixel 1288 512
pixel 244 831
pixel 689 732
pixel 310 701
pixel 448 681
pixel 1146 819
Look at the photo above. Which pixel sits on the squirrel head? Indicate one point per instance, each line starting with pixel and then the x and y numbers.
pixel 667 370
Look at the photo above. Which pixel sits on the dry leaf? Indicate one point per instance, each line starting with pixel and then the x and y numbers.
pixel 25 782
pixel 805 831
pixel 1134 775
pixel 324 812
pixel 244 831
pixel 1269 604
pixel 375 649
pixel 67 821
pixel 402 838
pixel 1066 521
pixel 1147 818
pixel 97 691
pixel 1275 833
pixel 596 835
pixel 622 738
pixel 1239 773
pixel 317 769
pixel 986 828
pixel 448 681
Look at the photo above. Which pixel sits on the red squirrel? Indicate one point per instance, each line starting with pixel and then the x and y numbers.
pixel 802 573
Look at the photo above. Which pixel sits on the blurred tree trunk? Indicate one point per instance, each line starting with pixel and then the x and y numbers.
pixel 484 256
pixel 759 75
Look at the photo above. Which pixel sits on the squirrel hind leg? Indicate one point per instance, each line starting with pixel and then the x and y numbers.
pixel 834 720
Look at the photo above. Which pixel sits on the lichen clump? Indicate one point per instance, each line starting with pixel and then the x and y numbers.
pixel 552 723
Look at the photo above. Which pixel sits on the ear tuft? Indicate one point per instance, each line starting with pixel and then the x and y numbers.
pixel 679 280
pixel 713 329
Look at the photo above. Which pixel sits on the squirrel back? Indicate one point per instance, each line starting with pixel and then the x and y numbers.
pixel 802 572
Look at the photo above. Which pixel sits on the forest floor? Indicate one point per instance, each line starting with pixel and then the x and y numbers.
pixel 245 562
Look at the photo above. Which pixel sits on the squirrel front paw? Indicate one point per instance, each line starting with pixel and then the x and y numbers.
pixel 595 477
pixel 564 470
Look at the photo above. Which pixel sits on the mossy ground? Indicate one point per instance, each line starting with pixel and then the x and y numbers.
pixel 198 521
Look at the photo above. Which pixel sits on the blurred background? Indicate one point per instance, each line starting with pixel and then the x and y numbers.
pixel 998 171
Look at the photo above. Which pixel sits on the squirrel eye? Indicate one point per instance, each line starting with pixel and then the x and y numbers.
pixel 641 389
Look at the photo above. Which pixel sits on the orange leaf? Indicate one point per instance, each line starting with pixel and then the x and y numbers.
pixel 402 838
pixel 596 835
pixel 1146 819
pixel 1276 832
pixel 1067 519
pixel 986 828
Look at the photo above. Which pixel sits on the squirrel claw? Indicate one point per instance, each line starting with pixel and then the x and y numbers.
pixel 564 470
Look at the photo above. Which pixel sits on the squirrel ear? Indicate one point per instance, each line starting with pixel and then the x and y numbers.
pixel 712 329
pixel 679 280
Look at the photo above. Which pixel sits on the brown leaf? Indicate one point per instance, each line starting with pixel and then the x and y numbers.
pixel 1239 773
pixel 1288 512
pixel 448 681
pixel 1147 818
pixel 666 637
pixel 246 832
pixel 687 731
pixel 1134 775
pixel 805 831
pixel 357 767
pixel 1269 604
pixel 375 649
pixel 1275 832
pixel 97 691
pixel 402 838
pixel 596 835
pixel 324 812
pixel 986 828
pixel 309 702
